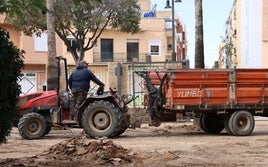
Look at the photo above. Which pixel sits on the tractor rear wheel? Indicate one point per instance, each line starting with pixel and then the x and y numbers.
pixel 102 118
pixel 125 124
pixel 32 126
pixel 48 129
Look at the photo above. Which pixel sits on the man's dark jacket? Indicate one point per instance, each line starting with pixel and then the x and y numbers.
pixel 81 77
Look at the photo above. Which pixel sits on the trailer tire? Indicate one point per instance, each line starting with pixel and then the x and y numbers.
pixel 32 126
pixel 226 123
pixel 241 123
pixel 201 123
pixel 102 118
pixel 211 123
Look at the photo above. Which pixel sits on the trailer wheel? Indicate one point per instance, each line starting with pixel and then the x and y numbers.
pixel 241 123
pixel 211 123
pixel 226 125
pixel 201 123
pixel 102 118
pixel 32 126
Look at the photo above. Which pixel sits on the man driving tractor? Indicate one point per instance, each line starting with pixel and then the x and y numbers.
pixel 79 83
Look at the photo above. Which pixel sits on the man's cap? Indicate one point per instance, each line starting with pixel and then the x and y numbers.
pixel 83 62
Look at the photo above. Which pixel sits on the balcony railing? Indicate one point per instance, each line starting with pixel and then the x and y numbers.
pixel 121 57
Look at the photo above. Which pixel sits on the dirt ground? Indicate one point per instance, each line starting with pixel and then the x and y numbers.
pixel 171 144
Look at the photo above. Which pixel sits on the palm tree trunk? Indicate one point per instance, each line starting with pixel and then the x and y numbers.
pixel 51 62
pixel 199 44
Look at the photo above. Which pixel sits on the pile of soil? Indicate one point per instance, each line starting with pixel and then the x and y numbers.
pixel 87 151
pixel 78 151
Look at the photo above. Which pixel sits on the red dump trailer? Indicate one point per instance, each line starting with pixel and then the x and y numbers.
pixel 222 99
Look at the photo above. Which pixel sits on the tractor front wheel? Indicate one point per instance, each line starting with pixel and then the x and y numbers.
pixel 32 126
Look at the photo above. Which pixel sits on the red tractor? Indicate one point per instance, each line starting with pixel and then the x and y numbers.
pixel 100 115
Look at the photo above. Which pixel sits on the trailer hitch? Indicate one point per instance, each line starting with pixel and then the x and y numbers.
pixel 156 99
pixel 127 99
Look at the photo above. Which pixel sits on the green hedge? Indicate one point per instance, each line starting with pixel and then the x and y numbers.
pixel 11 62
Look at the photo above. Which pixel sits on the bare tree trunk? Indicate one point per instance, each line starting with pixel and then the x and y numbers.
pixel 199 44
pixel 52 63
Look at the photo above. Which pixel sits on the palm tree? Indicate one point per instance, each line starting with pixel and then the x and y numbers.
pixel 199 44
pixel 51 61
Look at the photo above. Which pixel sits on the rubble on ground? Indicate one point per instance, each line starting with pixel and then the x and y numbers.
pixel 101 151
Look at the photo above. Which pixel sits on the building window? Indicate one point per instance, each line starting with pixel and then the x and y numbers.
pixel 154 46
pixel 132 50
pixel 40 43
pixel 28 83
pixel 73 43
pixel 107 51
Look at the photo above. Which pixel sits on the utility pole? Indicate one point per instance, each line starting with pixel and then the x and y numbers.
pixel 174 48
